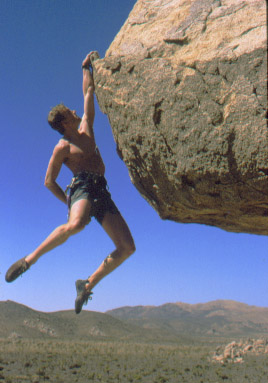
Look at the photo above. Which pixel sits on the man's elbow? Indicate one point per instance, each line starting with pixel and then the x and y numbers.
pixel 89 92
pixel 48 183
pixel 91 88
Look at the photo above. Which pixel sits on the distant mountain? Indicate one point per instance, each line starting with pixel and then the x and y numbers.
pixel 17 320
pixel 222 317
pixel 169 322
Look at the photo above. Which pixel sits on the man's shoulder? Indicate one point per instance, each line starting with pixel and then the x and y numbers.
pixel 63 144
pixel 62 147
pixel 86 122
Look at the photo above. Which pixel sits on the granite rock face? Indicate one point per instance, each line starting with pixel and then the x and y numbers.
pixel 184 87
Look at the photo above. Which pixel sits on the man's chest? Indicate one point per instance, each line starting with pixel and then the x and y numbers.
pixel 82 149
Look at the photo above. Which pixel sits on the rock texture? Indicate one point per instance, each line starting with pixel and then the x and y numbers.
pixel 184 88
pixel 234 352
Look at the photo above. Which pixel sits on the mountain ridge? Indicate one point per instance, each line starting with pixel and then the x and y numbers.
pixel 169 322
pixel 216 317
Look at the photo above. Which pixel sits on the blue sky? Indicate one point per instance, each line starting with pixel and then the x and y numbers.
pixel 42 45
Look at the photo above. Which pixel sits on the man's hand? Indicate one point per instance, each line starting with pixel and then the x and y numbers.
pixel 87 61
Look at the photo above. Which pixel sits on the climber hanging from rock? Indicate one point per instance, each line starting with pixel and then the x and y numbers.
pixel 87 194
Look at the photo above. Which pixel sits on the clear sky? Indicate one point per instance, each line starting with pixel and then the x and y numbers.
pixel 42 45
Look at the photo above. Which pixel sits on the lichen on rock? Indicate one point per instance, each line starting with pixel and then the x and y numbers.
pixel 184 88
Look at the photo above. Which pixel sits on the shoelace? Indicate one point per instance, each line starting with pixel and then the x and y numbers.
pixel 88 298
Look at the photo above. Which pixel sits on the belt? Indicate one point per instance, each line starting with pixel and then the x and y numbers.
pixel 82 176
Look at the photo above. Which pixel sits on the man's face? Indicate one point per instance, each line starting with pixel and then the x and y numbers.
pixel 71 119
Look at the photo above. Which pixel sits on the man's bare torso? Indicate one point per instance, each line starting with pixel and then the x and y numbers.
pixel 83 155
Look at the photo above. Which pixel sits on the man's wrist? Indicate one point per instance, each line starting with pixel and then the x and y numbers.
pixel 86 66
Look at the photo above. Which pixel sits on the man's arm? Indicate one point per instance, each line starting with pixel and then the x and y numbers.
pixel 88 92
pixel 53 170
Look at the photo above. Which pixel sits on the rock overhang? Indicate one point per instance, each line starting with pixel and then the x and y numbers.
pixel 183 85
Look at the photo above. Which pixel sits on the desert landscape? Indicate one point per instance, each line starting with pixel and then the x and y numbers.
pixel 183 89
pixel 151 344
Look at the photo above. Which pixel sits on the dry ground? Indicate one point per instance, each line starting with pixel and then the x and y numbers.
pixel 36 361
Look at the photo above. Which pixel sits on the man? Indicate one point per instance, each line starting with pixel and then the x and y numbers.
pixel 88 195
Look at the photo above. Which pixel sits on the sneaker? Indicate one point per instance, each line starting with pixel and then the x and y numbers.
pixel 17 269
pixel 83 295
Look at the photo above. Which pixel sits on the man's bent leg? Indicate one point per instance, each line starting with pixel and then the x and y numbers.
pixel 117 229
pixel 79 217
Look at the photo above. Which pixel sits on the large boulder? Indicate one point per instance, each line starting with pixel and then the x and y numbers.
pixel 184 88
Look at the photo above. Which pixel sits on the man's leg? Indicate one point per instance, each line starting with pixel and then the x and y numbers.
pixel 79 217
pixel 117 229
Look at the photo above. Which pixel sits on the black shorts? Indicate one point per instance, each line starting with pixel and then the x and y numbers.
pixel 93 187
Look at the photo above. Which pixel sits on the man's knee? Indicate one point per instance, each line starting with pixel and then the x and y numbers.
pixel 128 248
pixel 132 248
pixel 76 225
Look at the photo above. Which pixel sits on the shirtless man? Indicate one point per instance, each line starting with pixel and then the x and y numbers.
pixel 88 195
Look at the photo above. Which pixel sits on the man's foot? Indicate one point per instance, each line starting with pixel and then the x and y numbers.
pixel 83 294
pixel 17 269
